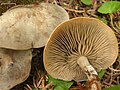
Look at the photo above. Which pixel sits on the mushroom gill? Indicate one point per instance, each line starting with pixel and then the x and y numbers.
pixel 77 44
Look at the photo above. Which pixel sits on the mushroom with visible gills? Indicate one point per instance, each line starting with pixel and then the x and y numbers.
pixel 78 48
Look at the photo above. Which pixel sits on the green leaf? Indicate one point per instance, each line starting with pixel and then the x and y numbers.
pixel 101 73
pixel 119 58
pixel 117 87
pixel 109 7
pixel 59 84
pixel 86 2
pixel 119 26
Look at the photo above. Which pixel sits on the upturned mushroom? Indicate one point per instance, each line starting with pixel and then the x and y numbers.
pixel 22 28
pixel 29 26
pixel 78 48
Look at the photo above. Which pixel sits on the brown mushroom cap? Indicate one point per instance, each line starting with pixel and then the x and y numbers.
pixel 29 26
pixel 78 39
pixel 14 67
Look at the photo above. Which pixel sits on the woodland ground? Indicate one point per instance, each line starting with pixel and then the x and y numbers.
pixel 75 8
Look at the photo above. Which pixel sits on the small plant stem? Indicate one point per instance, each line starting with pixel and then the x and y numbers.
pixel 29 87
pixel 47 86
pixel 111 22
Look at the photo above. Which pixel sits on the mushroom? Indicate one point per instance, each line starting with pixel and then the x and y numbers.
pixel 14 67
pixel 29 26
pixel 78 48
pixel 23 28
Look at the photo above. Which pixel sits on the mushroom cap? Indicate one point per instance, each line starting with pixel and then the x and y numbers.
pixel 14 67
pixel 78 37
pixel 29 26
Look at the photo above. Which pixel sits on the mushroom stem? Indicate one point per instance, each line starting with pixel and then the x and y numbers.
pixel 90 72
pixel 85 65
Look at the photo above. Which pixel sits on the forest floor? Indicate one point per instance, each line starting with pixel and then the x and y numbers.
pixel 75 8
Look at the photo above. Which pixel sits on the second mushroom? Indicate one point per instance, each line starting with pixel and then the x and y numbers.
pixel 78 48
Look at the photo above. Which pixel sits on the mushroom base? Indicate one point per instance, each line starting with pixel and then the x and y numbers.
pixel 90 72
pixel 85 66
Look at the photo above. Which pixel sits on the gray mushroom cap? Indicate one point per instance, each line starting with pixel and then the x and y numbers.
pixel 14 67
pixel 29 26
pixel 79 39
